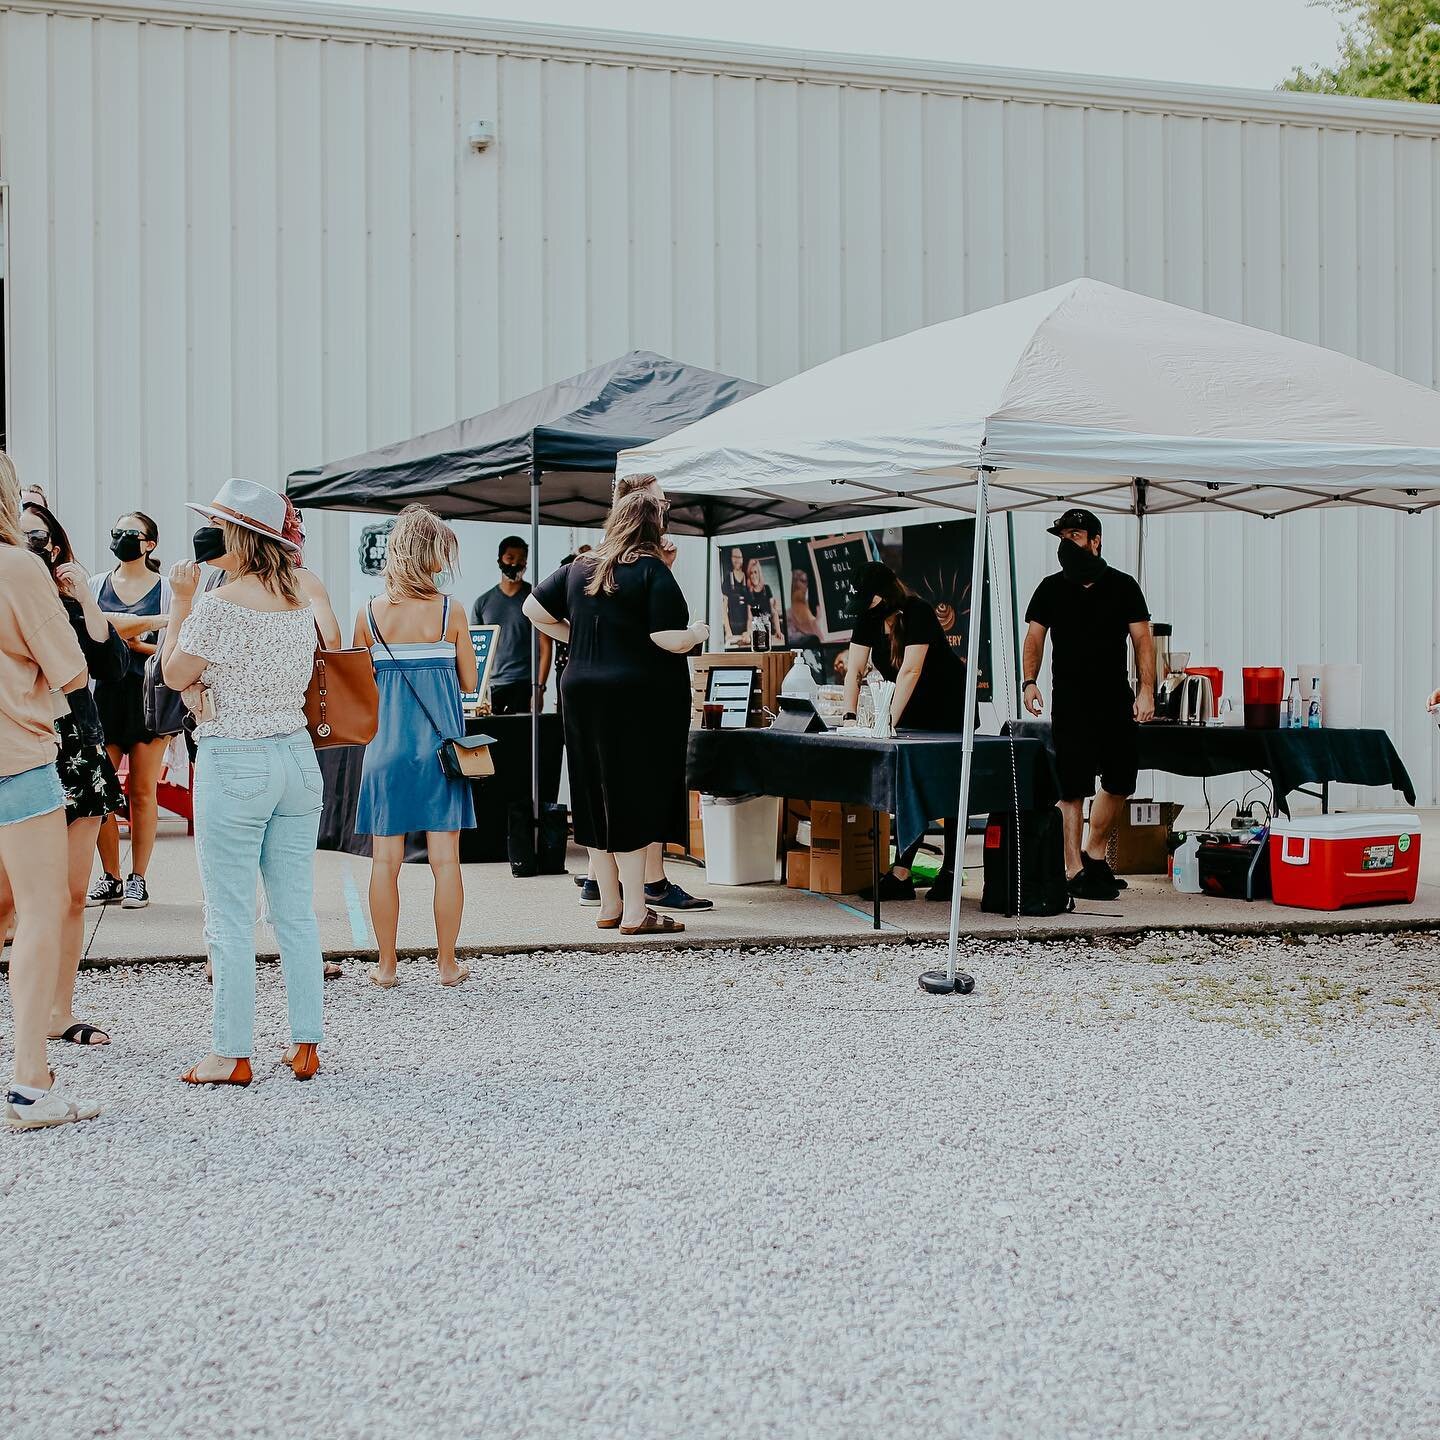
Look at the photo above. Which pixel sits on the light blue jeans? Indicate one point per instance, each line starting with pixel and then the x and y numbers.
pixel 257 811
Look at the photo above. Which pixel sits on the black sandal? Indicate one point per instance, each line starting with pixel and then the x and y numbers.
pixel 82 1034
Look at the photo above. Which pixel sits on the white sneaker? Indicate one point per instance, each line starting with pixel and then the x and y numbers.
pixel 49 1110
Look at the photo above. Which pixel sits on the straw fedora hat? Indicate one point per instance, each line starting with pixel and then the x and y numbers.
pixel 251 506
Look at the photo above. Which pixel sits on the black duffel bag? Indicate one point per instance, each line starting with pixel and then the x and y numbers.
pixel 554 833
pixel 1043 890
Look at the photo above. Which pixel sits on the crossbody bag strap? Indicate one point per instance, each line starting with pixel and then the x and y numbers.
pixel 375 631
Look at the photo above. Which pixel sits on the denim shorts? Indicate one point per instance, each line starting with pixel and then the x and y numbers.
pixel 30 793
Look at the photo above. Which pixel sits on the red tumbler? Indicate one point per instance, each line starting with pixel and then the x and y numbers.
pixel 1264 696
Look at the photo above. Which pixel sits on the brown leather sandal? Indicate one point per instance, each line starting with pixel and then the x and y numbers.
pixel 653 924
pixel 608 924
pixel 305 1062
pixel 239 1075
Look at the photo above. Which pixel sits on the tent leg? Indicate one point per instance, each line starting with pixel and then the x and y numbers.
pixel 537 695
pixel 953 981
pixel 1014 602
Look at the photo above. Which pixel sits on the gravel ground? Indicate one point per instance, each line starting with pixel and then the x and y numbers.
pixel 1186 1187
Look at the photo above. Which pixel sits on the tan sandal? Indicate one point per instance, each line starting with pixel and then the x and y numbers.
pixel 653 924
pixel 459 978
pixel 608 924
pixel 373 975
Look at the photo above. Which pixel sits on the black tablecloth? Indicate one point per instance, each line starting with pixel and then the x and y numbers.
pixel 487 842
pixel 916 777
pixel 1291 758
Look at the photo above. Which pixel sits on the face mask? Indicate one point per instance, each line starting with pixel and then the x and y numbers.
pixel 1079 563
pixel 209 544
pixel 39 542
pixel 125 545
pixel 512 572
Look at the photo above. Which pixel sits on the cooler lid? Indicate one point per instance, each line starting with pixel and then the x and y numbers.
pixel 1360 825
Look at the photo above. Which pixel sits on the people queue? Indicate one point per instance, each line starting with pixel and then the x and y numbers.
pixel 233 633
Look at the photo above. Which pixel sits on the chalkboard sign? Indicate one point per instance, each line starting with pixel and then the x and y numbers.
pixel 484 637
pixel 837 561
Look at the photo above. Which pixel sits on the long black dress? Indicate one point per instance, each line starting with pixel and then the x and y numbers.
pixel 626 704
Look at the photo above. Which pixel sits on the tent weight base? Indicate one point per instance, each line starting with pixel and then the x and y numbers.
pixel 937 982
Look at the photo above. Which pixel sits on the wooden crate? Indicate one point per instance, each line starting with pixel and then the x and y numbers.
pixel 773 665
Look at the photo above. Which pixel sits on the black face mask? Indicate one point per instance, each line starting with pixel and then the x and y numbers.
pixel 512 572
pixel 40 544
pixel 126 546
pixel 1080 564
pixel 209 542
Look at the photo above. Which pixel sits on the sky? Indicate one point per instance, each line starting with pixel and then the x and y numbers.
pixel 1248 43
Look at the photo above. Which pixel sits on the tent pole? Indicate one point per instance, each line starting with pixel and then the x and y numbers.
pixel 954 981
pixel 537 695
pixel 1014 604
pixel 1140 492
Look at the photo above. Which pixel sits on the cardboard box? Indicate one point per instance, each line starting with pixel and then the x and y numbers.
pixel 842 853
pixel 797 869
pixel 1140 843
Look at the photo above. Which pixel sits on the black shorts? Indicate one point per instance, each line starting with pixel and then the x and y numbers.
pixel 1085 749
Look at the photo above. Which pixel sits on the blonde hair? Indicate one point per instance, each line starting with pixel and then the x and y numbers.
pixel 630 484
pixel 419 546
pixel 634 528
pixel 272 563
pixel 9 502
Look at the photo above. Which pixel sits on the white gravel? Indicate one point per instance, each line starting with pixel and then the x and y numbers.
pixel 1184 1188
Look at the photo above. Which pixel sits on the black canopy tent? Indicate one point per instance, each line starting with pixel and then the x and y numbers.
pixel 549 458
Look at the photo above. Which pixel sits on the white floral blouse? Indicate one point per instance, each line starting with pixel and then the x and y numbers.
pixel 259 667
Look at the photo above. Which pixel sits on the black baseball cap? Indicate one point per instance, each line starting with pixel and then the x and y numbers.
pixel 1085 520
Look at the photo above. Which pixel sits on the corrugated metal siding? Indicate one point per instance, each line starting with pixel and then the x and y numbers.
pixel 235 251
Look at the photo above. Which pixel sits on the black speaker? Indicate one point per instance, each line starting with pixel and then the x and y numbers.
pixel 525 860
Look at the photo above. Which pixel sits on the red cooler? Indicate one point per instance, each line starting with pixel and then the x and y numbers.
pixel 1328 862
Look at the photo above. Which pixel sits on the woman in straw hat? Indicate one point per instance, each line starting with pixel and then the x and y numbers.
pixel 251 644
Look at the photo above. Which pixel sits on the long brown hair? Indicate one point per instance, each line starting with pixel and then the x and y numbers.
pixel 635 527
pixel 270 562
pixel 9 503
pixel 59 540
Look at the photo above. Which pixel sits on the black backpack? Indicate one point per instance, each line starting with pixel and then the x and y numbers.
pixel 1043 890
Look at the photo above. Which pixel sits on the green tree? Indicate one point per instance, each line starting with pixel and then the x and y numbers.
pixel 1390 51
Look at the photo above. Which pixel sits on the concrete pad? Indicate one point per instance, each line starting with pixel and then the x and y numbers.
pixel 506 915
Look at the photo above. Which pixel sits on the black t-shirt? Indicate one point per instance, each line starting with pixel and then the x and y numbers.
pixel 1088 627
pixel 938 700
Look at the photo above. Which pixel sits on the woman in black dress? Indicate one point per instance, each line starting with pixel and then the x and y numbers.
pixel 92 790
pixel 626 702
pixel 897 632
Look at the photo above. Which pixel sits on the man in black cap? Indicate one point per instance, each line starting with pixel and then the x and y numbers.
pixel 1089 610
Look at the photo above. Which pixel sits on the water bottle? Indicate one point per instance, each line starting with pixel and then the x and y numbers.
pixel 1186 874
pixel 1313 716
pixel 799 681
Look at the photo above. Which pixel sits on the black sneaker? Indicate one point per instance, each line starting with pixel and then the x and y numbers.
pixel 105 891
pixel 667 895
pixel 890 889
pixel 589 891
pixel 137 897
pixel 942 887
pixel 1094 882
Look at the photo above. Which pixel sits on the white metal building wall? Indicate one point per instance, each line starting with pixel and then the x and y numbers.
pixel 248 238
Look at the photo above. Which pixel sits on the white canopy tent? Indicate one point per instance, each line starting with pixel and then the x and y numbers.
pixel 1084 394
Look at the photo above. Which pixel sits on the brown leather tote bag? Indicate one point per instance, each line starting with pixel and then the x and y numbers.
pixel 342 703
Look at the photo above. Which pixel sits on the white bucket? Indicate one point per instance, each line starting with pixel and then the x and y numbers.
pixel 741 839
